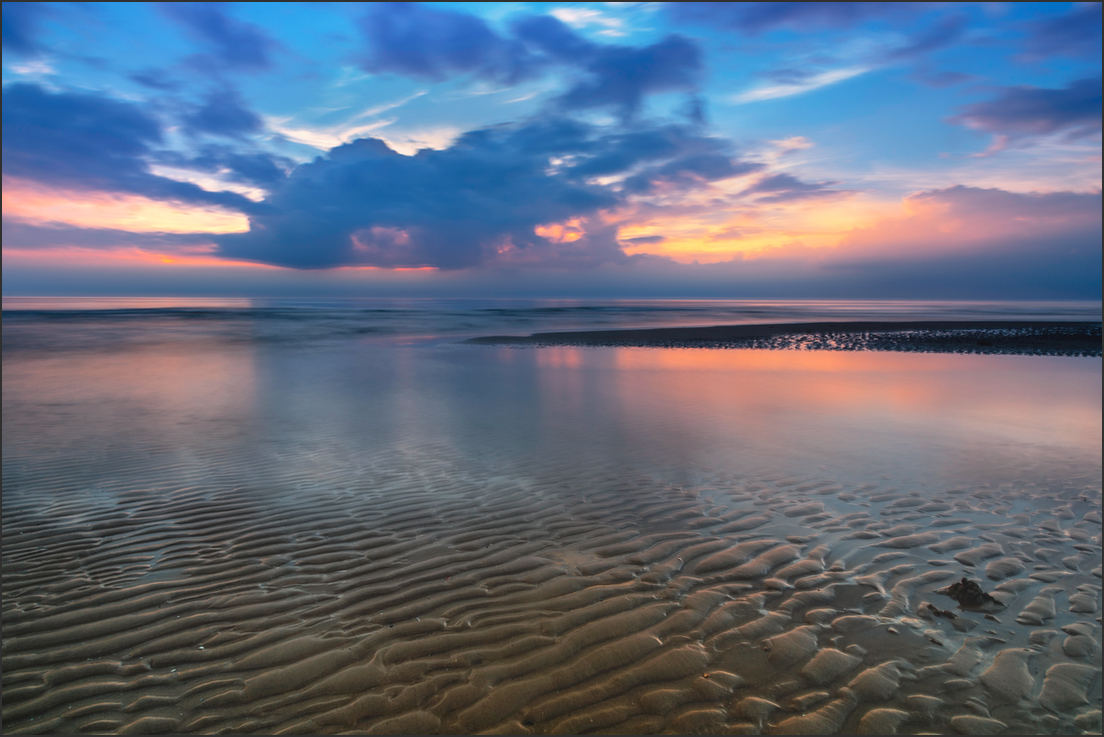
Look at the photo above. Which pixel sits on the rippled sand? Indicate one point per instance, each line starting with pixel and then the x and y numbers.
pixel 213 537
pixel 599 604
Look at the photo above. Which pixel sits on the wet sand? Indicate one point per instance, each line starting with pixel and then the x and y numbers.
pixel 767 604
pixel 990 337
pixel 256 539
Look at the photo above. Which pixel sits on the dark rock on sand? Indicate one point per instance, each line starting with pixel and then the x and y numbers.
pixel 968 594
pixel 936 611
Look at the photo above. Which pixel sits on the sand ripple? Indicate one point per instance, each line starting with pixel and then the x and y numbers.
pixel 436 602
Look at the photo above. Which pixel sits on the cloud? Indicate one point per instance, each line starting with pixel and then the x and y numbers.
pixel 1042 208
pixel 1023 112
pixel 582 17
pixel 329 136
pixel 755 18
pixel 984 241
pixel 956 242
pixel 254 168
pixel 366 204
pixel 223 114
pixel 941 34
pixel 852 57
pixel 614 75
pixel 786 188
pixel 1076 33
pixel 433 44
pixel 497 195
pixel 689 172
pixel 420 41
pixel 952 243
pixel 88 141
pixel 22 235
pixel 870 52
pixel 20 24
pixel 644 240
pixel 623 76
pixel 960 219
pixel 156 79
pixel 233 44
pixel 795 82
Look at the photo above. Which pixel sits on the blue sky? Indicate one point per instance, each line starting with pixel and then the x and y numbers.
pixel 584 149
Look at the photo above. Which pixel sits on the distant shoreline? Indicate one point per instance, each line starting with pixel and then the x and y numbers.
pixel 1015 337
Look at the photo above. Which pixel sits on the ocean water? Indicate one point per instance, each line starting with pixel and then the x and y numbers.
pixel 100 321
pixel 330 516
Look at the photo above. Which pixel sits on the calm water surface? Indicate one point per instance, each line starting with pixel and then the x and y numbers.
pixel 142 380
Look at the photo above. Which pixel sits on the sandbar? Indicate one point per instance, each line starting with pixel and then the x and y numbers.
pixel 1017 337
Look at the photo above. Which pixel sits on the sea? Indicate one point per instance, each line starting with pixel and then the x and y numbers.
pixel 334 516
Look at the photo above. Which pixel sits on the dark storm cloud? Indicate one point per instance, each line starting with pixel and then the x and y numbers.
pixel 232 43
pixel 223 114
pixel 1033 111
pixel 428 43
pixel 20 21
pixel 366 204
pixel 1076 33
pixel 88 141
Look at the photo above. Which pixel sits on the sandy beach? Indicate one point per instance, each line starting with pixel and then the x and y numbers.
pixel 1009 337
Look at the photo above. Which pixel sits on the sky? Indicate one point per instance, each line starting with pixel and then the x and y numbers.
pixel 601 150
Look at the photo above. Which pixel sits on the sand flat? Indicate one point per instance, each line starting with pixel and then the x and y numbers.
pixel 665 571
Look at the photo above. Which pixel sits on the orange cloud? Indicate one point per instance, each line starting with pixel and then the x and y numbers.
pixel 720 233
pixel 74 256
pixel 960 219
pixel 940 222
pixel 37 203
pixel 567 232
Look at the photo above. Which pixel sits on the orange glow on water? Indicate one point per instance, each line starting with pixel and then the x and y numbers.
pixel 846 385
pixel 560 357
